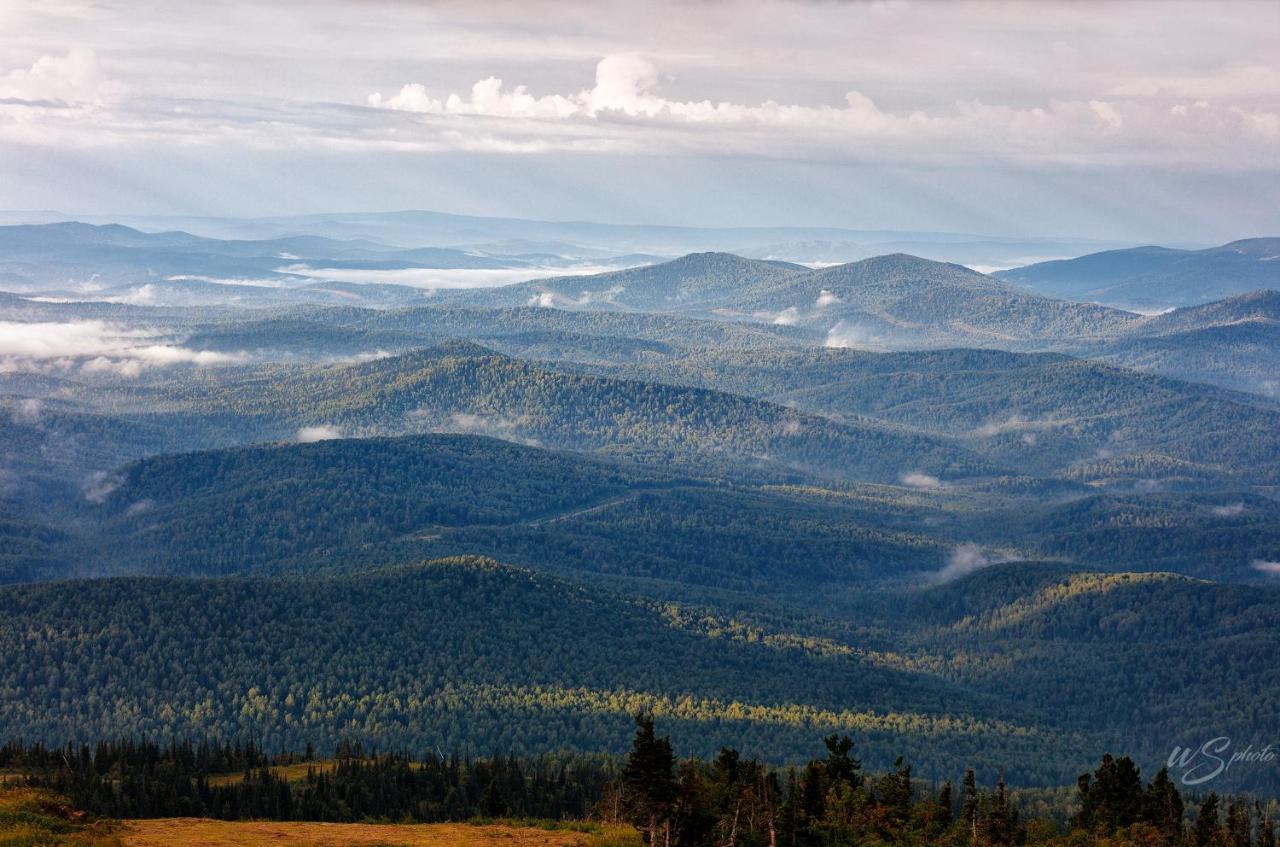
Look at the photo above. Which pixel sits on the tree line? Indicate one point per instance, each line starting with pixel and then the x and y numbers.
pixel 727 801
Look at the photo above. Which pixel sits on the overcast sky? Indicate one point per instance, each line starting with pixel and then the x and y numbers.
pixel 1134 121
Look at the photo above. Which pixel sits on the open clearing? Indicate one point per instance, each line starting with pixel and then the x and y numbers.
pixel 201 832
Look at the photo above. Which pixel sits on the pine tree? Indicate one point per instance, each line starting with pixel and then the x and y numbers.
pixel 841 766
pixel 1162 806
pixel 649 778
pixel 1207 821
pixel 1239 825
pixel 1266 829
pixel 969 806
pixel 945 804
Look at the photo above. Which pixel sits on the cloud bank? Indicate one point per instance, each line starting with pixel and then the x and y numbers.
pixel 312 434
pixel 94 347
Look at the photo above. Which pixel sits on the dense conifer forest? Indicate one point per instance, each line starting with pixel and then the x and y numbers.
pixel 727 799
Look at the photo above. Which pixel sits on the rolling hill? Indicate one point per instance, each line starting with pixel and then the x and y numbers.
pixel 699 282
pixel 1040 413
pixel 463 653
pixel 894 301
pixel 1157 277
pixel 461 387
pixel 469 654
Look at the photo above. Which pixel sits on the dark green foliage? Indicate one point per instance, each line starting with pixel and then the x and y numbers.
pixel 269 508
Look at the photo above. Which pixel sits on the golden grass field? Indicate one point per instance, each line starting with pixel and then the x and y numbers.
pixel 31 817
pixel 294 773
pixel 200 832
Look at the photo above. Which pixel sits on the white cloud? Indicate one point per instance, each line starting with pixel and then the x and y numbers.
pixel 438 279
pixel 624 103
pixel 27 412
pixel 916 479
pixel 827 298
pixel 861 335
pixel 1231 510
pixel 54 81
pixel 98 487
pixel 787 317
pixel 95 346
pixel 1269 568
pixel 965 559
pixel 211 101
pixel 312 434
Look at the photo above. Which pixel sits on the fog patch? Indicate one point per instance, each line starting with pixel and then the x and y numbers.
pixel 790 428
pixel 99 486
pixel 139 507
pixel 859 335
pixel 252 282
pixel 312 434
pixel 94 347
pixel 1231 510
pixel 1263 566
pixel 1013 423
pixel 916 479
pixel 494 426
pixel 965 559
pixel 27 412
pixel 827 298
pixel 789 316
pixel 553 299
pixel 440 279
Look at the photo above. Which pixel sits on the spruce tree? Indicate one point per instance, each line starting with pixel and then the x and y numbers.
pixel 649 778
pixel 1162 806
pixel 1207 821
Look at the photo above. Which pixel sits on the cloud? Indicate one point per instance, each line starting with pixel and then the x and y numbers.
pixel 95 346
pixel 27 412
pixel 624 104
pixel 59 81
pixel 711 95
pixel 916 479
pixel 437 279
pixel 827 298
pixel 98 487
pixel 554 299
pixel 312 434
pixel 966 559
pixel 862 335
pixel 1232 510
pixel 787 317
pixel 494 426
pixel 1268 568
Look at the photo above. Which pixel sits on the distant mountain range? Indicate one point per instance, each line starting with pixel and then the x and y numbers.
pixel 1154 278
pixel 886 302
pixel 594 241
pixel 114 262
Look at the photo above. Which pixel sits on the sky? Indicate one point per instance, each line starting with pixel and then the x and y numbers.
pixel 1122 120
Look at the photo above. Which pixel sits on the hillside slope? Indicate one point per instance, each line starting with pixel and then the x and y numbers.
pixel 1156 277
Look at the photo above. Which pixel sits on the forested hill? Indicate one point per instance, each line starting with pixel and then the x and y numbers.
pixel 886 301
pixel 900 300
pixel 697 282
pixel 1038 412
pixel 313 506
pixel 462 387
pixel 460 652
pixel 471 654
pixel 1158 276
